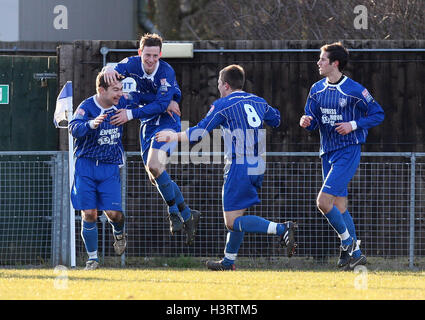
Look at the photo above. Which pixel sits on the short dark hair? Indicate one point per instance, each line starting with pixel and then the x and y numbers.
pixel 151 40
pixel 336 51
pixel 100 81
pixel 234 75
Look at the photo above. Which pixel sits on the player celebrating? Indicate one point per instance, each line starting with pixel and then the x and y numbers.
pixel 241 116
pixel 343 111
pixel 157 87
pixel 99 154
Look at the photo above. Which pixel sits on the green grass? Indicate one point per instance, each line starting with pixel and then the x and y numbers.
pixel 186 279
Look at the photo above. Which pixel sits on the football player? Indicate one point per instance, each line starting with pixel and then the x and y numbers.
pixel 157 90
pixel 99 154
pixel 343 111
pixel 241 116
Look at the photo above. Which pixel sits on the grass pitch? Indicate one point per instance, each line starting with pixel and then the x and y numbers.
pixel 201 284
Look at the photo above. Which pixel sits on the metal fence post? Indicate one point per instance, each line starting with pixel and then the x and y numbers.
pixel 412 210
pixel 55 170
pixel 124 198
pixel 60 241
pixel 65 239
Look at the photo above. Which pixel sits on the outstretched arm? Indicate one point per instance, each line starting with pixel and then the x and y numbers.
pixel 171 136
pixel 122 116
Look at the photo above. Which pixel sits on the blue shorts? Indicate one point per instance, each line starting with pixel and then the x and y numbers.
pixel 147 139
pixel 96 186
pixel 338 168
pixel 240 188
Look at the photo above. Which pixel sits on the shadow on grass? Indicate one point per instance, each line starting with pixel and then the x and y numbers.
pixel 267 263
pixel 244 263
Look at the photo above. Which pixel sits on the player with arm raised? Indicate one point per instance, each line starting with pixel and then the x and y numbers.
pixel 343 111
pixel 158 89
pixel 99 154
pixel 241 116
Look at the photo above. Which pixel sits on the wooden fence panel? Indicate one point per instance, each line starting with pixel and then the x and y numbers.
pixel 395 79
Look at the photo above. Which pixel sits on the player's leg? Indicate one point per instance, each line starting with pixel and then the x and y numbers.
pixel 344 254
pixel 352 229
pixel 83 197
pixel 156 167
pixel 110 201
pixel 233 242
pixel 357 257
pixel 190 216
pixel 339 168
pixel 326 205
pixel 240 191
pixel 249 224
pixel 89 234
pixel 256 224
pixel 117 221
pixel 180 214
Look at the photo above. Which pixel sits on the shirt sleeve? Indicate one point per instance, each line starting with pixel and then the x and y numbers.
pixel 372 114
pixel 168 90
pixel 122 67
pixel 272 117
pixel 79 126
pixel 309 110
pixel 212 120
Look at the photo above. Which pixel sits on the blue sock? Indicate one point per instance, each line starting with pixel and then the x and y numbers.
pixel 233 243
pixel 352 230
pixel 181 205
pixel 89 235
pixel 166 189
pixel 280 229
pixel 337 222
pixel 117 227
pixel 251 224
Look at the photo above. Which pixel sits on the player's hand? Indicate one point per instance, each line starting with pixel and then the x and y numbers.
pixel 343 128
pixel 98 120
pixel 305 121
pixel 119 118
pixel 173 107
pixel 166 136
pixel 111 76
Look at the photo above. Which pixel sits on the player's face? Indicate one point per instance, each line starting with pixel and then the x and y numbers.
pixel 325 68
pixel 150 57
pixel 113 94
pixel 222 88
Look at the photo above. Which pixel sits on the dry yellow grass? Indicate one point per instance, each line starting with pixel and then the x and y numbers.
pixel 190 284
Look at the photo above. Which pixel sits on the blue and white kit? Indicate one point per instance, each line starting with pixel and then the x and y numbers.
pixel 241 117
pixel 99 153
pixel 154 93
pixel 345 101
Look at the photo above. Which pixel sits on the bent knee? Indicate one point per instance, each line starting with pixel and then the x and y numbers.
pixel 89 215
pixel 115 216
pixel 324 204
pixel 229 226
pixel 154 169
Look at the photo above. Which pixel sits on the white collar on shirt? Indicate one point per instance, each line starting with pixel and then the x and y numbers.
pixel 327 83
pixel 149 76
pixel 102 109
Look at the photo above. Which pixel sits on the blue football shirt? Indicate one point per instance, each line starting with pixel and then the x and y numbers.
pixel 104 143
pixel 344 101
pixel 154 91
pixel 241 117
